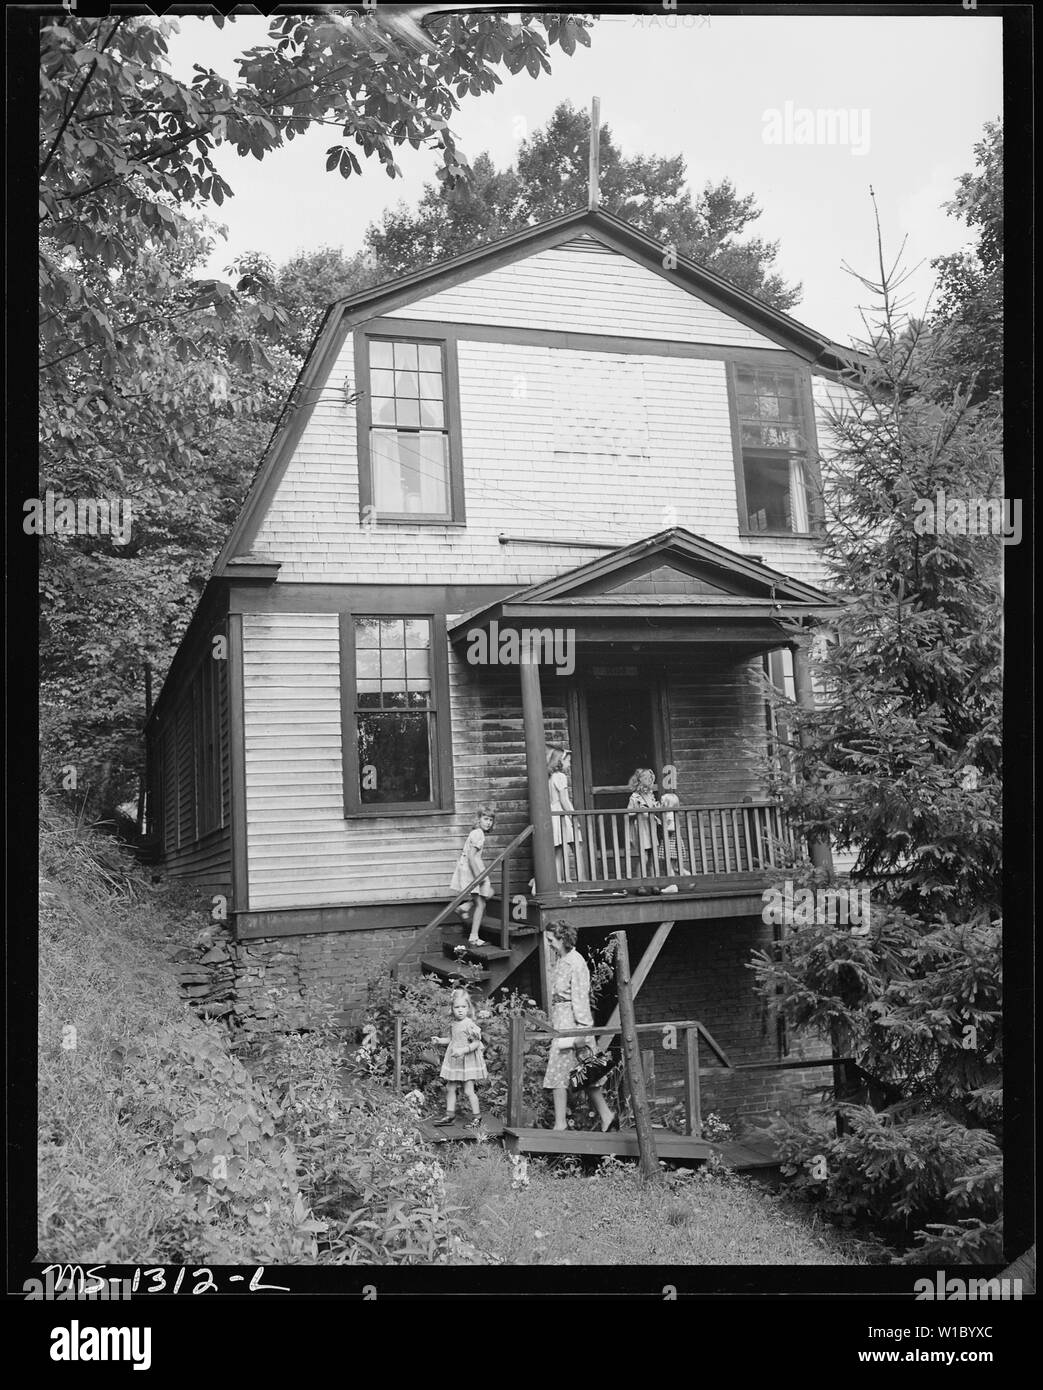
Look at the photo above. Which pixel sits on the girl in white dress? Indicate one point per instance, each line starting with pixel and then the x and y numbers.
pixel 566 832
pixel 464 1060
pixel 642 800
pixel 468 866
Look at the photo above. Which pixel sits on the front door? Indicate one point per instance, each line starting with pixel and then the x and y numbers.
pixel 619 733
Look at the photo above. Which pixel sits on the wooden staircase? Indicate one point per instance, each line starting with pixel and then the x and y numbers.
pixel 489 966
pixel 509 943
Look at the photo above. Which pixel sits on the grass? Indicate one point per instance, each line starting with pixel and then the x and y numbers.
pixel 105 931
pixel 108 1186
pixel 607 1215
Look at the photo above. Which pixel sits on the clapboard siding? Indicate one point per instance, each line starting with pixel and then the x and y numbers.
pixel 557 442
pixel 192 808
pixel 579 287
pixel 207 861
pixel 303 852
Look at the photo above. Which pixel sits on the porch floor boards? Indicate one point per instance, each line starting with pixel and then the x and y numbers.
pixel 737 895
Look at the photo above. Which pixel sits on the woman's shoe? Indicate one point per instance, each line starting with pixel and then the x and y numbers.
pixel 445 1120
pixel 475 1122
pixel 613 1124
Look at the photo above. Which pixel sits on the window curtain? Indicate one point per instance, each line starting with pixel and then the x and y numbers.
pixel 798 496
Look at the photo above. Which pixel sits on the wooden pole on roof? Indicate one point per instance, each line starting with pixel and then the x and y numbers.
pixel 593 190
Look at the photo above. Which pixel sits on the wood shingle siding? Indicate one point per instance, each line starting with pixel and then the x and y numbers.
pixel 588 290
pixel 647 443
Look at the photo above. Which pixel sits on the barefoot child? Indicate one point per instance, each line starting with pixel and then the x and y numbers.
pixel 464 1060
pixel 468 866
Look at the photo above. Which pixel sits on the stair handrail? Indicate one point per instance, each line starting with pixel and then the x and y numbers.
pixel 453 903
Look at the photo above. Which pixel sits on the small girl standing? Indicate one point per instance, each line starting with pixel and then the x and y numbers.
pixel 464 1060
pixel 642 800
pixel 471 864
pixel 673 845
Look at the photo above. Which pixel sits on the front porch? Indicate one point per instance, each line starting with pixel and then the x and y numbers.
pixel 659 656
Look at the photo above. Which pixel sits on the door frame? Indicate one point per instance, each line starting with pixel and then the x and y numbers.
pixel 651 679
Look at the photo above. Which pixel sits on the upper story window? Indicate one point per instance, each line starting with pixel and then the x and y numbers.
pixel 409 444
pixel 771 420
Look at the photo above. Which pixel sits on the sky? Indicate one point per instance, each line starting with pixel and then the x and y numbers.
pixel 738 96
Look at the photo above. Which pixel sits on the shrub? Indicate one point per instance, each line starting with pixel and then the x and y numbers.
pixel 210 1135
pixel 900 1171
pixel 969 1241
pixel 424 1008
pixel 363 1162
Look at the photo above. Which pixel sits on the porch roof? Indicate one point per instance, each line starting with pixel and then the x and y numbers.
pixel 673 586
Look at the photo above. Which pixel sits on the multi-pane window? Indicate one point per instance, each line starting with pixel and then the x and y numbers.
pixel 774 444
pixel 394 712
pixel 409 444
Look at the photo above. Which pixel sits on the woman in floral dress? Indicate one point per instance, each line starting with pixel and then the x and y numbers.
pixel 570 1008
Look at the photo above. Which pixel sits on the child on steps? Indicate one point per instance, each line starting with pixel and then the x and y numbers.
pixel 468 866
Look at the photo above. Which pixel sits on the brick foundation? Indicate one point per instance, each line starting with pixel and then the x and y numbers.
pixel 702 974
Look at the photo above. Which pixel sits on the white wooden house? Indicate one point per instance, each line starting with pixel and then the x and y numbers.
pixel 558 433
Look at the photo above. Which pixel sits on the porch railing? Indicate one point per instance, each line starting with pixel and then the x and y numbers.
pixel 615 846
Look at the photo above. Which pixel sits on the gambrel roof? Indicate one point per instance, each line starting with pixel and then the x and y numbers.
pixel 598 228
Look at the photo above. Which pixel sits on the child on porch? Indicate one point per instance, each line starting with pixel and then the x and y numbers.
pixel 643 799
pixel 468 866
pixel 673 845
pixel 464 1060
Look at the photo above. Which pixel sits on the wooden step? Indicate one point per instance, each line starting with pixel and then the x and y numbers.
pixel 451 947
pixel 447 970
pixel 490 929
pixel 492 1128
pixel 622 1142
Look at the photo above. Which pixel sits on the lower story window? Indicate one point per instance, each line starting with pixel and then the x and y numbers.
pixel 395 699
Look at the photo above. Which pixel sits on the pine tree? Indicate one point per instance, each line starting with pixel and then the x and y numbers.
pixel 550 179
pixel 900 763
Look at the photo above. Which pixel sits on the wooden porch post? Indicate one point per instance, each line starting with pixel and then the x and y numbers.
pixel 536 771
pixel 818 845
pixel 646 1147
